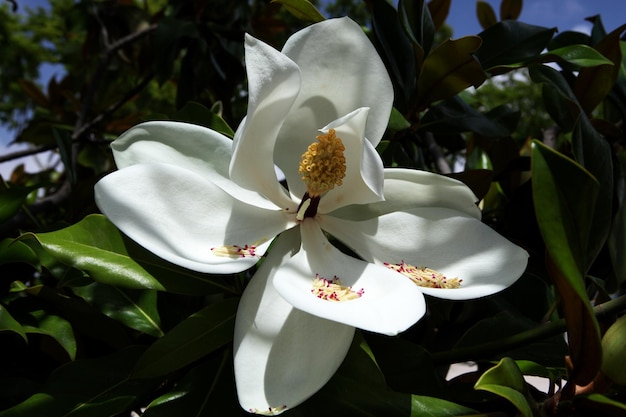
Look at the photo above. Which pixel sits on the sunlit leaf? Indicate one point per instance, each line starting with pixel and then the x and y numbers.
pixel 302 9
pixel 506 381
pixel 194 338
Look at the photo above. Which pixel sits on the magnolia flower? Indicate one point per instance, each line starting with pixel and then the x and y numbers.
pixel 316 110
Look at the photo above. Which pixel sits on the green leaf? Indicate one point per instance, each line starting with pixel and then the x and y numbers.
pixel 617 238
pixel 95 246
pixel 197 114
pixel 417 23
pixel 88 388
pixel 558 97
pixel 205 390
pixel 11 200
pixel 581 55
pixel 594 83
pixel 510 9
pixel 510 42
pixel 65 145
pixel 422 406
pixel 8 323
pixel 486 15
pixel 397 122
pixel 559 184
pixel 454 115
pixel 136 309
pixel 55 327
pixel 506 381
pixel 599 405
pixel 448 70
pixel 15 251
pixel 194 338
pixel 396 51
pixel 302 9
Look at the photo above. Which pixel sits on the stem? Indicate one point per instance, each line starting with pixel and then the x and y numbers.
pixel 521 339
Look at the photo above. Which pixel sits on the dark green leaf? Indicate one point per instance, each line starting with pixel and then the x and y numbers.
pixel 510 42
pixel 396 50
pixel 11 199
pixel 417 23
pixel 397 121
pixel 87 388
pixel 448 70
pixel 9 324
pixel 196 113
pixel 506 381
pixel 617 238
pixel 55 327
pixel 194 338
pixel 15 251
pixel 569 38
pixel 486 15
pixel 302 9
pixel 65 145
pixel 136 309
pixel 558 97
pixel 454 115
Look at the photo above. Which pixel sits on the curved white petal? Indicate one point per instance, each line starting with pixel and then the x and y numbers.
pixel 405 189
pixel 363 182
pixel 282 355
pixel 341 71
pixel 449 241
pixel 389 303
pixel 192 147
pixel 180 216
pixel 273 84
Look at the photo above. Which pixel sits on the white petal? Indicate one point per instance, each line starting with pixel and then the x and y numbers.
pixel 194 148
pixel 282 355
pixel 389 304
pixel 180 216
pixel 273 84
pixel 451 242
pixel 406 189
pixel 363 182
pixel 341 71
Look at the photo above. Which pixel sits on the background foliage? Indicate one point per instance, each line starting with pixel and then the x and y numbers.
pixel 92 324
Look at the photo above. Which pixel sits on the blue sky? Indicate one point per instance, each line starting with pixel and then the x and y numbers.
pixel 564 14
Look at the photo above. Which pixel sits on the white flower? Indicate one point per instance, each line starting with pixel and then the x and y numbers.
pixel 202 201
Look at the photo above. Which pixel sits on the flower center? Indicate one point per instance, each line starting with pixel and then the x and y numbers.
pixel 322 166
pixel 425 277
pixel 332 290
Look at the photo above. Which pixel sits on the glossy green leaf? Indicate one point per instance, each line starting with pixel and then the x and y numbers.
pixel 448 70
pixel 439 10
pixel 581 55
pixel 95 246
pixel 194 338
pixel 510 9
pixel 486 15
pixel 87 388
pixel 417 23
pixel 9 324
pixel 197 114
pixel 136 309
pixel 302 9
pixel 55 327
pixel 506 381
pixel 510 41
pixel 594 83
